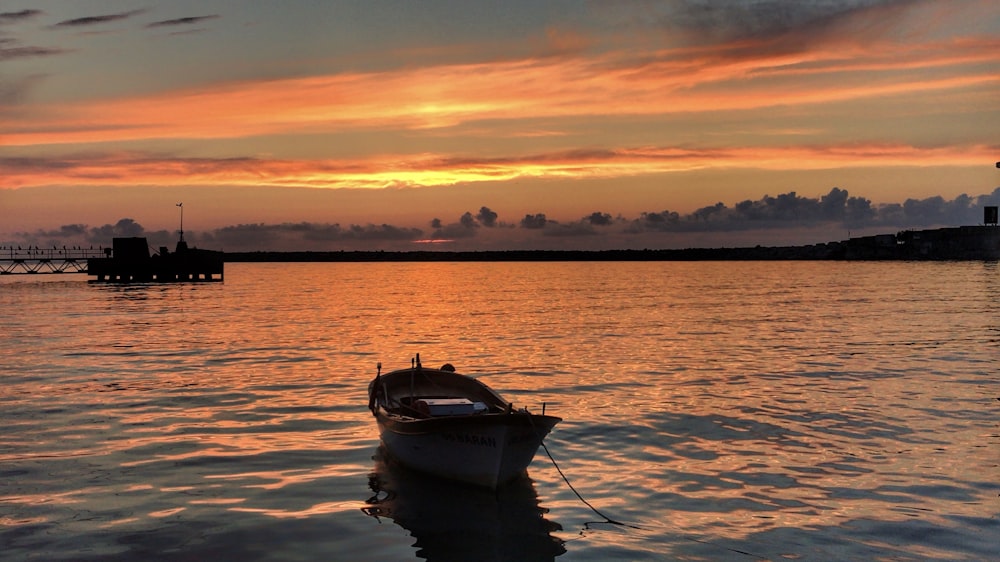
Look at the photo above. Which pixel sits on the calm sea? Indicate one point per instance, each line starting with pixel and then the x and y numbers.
pixel 733 411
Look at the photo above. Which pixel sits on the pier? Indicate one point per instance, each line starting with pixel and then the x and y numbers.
pixel 129 261
pixel 37 260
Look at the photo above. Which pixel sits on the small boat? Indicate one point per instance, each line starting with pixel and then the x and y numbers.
pixel 447 424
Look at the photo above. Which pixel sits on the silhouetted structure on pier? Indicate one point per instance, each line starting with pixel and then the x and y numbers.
pixel 958 243
pixel 129 261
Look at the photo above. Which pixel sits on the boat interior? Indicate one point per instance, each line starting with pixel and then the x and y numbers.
pixel 428 393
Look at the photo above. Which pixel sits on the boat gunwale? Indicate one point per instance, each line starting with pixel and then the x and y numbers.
pixel 416 426
pixel 500 411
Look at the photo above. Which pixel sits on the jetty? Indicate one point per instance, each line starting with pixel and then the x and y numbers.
pixel 129 260
pixel 36 260
pixel 979 242
pixel 959 243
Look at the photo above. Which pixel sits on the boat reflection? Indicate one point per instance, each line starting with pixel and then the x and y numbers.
pixel 453 521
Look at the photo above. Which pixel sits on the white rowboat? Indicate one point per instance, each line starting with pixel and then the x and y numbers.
pixel 447 424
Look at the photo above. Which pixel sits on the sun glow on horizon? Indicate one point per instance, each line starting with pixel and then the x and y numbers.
pixel 424 170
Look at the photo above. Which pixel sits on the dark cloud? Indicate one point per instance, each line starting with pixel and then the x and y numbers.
pixel 708 213
pixel 318 232
pixel 113 165
pixel 534 221
pixel 182 21
pixel 751 27
pixel 66 231
pixel 487 217
pixel 258 236
pixel 122 228
pixel 466 225
pixel 246 236
pixel 464 228
pixel 468 221
pixel 241 236
pixel 11 48
pixel 789 210
pixel 27 163
pixel 836 211
pixel 599 219
pixel 790 207
pixel 583 227
pixel 756 18
pixel 665 220
pixel 382 232
pixel 12 17
pixel 15 52
pixel 96 20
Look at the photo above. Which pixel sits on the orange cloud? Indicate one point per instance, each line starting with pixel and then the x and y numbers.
pixel 528 99
pixel 615 84
pixel 132 169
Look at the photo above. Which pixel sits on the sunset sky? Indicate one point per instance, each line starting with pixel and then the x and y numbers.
pixel 515 124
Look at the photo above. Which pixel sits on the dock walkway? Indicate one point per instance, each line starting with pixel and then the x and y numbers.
pixel 37 260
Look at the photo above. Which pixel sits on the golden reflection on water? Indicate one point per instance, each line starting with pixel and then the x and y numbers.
pixel 324 508
pixel 773 410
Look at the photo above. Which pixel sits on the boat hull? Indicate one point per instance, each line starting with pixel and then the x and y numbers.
pixel 484 450
pixel 446 424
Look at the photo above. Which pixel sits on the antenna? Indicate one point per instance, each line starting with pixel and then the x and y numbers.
pixel 181 205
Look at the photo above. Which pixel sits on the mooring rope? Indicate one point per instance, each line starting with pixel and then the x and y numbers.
pixel 619 523
pixel 585 502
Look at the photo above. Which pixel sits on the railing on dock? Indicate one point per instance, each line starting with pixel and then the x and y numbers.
pixel 35 260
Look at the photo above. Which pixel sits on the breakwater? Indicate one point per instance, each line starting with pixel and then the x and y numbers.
pixel 833 250
pixel 960 243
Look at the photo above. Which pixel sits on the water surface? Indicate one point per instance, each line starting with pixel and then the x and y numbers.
pixel 772 410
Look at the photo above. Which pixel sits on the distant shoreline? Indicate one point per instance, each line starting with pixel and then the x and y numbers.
pixel 959 243
pixel 830 251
